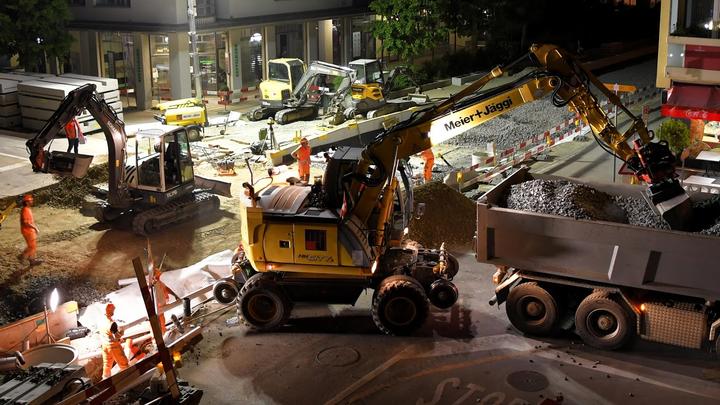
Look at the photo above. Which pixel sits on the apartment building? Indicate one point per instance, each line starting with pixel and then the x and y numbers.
pixel 146 46
pixel 688 66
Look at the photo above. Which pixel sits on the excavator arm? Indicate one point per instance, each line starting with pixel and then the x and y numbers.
pixel 61 163
pixel 551 71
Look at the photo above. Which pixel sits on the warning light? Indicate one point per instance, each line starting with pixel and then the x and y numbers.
pixel 642 307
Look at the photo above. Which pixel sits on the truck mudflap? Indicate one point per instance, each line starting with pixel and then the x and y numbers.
pixel 503 289
pixel 218 187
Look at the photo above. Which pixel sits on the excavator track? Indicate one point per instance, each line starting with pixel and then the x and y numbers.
pixel 289 115
pixel 181 210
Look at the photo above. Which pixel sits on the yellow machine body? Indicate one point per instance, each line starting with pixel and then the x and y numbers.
pixel 185 115
pixel 283 76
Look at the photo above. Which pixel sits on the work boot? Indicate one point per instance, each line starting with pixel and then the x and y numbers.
pixel 35 262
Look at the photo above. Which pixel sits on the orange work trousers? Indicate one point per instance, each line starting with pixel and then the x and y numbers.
pixel 304 169
pixel 113 353
pixel 31 240
pixel 427 172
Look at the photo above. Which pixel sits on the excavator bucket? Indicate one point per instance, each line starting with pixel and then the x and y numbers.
pixel 67 164
pixel 678 213
pixel 218 187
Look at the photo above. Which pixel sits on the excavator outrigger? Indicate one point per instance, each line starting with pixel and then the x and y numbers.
pixel 331 241
pixel 159 189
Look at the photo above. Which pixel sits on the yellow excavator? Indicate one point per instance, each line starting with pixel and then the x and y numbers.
pixel 284 76
pixel 331 241
pixel 5 213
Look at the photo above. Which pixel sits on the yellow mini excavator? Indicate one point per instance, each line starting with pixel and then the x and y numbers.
pixel 330 241
pixel 284 76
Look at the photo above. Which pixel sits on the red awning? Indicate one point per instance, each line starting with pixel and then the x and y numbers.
pixel 692 101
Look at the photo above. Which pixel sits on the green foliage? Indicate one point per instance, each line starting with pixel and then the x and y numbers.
pixel 676 133
pixel 409 28
pixel 34 28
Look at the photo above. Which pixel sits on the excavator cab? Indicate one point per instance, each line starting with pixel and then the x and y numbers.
pixel 284 76
pixel 163 164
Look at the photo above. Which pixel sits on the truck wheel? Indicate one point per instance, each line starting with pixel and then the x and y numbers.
pixel 602 322
pixel 532 309
pixel 399 305
pixel 194 133
pixel 262 305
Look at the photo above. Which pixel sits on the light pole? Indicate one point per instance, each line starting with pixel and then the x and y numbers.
pixel 192 14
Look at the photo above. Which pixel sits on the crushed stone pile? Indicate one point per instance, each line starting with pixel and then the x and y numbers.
pixel 568 199
pixel 70 192
pixel 449 217
pixel 564 198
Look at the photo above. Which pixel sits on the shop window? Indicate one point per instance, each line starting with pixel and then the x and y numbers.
pixel 160 62
pixel 694 18
pixel 315 239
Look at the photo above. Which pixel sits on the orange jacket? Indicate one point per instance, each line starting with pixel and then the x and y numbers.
pixel 27 222
pixel 303 154
pixel 72 129
pixel 427 154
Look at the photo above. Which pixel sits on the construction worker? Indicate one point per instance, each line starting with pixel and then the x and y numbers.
pixel 111 337
pixel 29 232
pixel 73 133
pixel 302 154
pixel 429 158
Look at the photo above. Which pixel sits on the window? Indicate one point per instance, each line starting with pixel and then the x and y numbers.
pixel 315 239
pixel 112 3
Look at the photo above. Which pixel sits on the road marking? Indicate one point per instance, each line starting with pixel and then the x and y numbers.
pixel 11 167
pixel 13 156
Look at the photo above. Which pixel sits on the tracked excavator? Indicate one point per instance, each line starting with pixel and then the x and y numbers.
pixel 158 186
pixel 329 242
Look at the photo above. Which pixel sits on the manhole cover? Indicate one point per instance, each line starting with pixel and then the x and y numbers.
pixel 337 356
pixel 527 381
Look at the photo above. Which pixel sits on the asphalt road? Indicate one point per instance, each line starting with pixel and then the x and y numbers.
pixel 468 354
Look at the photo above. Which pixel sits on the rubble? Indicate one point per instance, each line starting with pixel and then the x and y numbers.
pixel 639 213
pixel 449 217
pixel 70 192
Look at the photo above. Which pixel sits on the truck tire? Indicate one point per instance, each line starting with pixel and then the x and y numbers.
pixel 399 305
pixel 603 323
pixel 532 309
pixel 262 305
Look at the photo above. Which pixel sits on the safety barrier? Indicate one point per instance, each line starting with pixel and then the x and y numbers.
pixel 536 144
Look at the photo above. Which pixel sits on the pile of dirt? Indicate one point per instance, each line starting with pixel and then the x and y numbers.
pixel 70 192
pixel 449 217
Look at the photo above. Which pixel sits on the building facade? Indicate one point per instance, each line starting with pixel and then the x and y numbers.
pixel 688 68
pixel 146 46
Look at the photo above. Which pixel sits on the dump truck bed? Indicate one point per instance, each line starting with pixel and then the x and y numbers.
pixel 596 251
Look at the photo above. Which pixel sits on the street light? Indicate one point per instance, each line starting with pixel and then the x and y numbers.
pixel 54 300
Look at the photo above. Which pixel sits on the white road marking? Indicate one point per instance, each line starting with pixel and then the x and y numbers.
pixel 13 156
pixel 11 167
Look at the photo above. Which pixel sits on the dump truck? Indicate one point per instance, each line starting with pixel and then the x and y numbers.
pixel 613 281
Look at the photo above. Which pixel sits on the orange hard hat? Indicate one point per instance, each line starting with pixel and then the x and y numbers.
pixel 109 308
pixel 27 198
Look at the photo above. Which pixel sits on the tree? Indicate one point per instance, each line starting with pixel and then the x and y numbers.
pixel 409 28
pixel 676 133
pixel 34 30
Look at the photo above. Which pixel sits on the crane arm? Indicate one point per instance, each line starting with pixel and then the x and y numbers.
pixel 85 98
pixel 552 71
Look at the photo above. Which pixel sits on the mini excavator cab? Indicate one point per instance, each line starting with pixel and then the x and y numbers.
pixel 163 164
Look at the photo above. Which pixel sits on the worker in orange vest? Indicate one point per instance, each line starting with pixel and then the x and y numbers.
pixel 302 154
pixel 73 133
pixel 29 232
pixel 112 338
pixel 429 157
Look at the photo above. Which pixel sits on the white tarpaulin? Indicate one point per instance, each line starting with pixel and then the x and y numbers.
pixel 128 301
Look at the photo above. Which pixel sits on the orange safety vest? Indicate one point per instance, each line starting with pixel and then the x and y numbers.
pixel 26 221
pixel 72 129
pixel 303 154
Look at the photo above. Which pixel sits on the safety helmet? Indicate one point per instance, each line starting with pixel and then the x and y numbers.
pixel 109 308
pixel 27 198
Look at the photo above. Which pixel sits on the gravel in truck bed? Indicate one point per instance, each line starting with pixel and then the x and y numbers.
pixel 579 201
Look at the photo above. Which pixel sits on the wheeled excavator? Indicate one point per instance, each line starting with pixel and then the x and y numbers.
pixel 158 186
pixel 329 242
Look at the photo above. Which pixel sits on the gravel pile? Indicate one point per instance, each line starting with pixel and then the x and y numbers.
pixel 564 198
pixel 70 192
pixel 639 213
pixel 449 217
pixel 712 231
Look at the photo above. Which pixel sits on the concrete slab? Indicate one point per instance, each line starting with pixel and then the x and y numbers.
pixel 45 89
pixel 9 110
pixel 8 86
pixel 79 82
pixel 104 81
pixel 10 122
pixel 9 98
pixel 23 77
